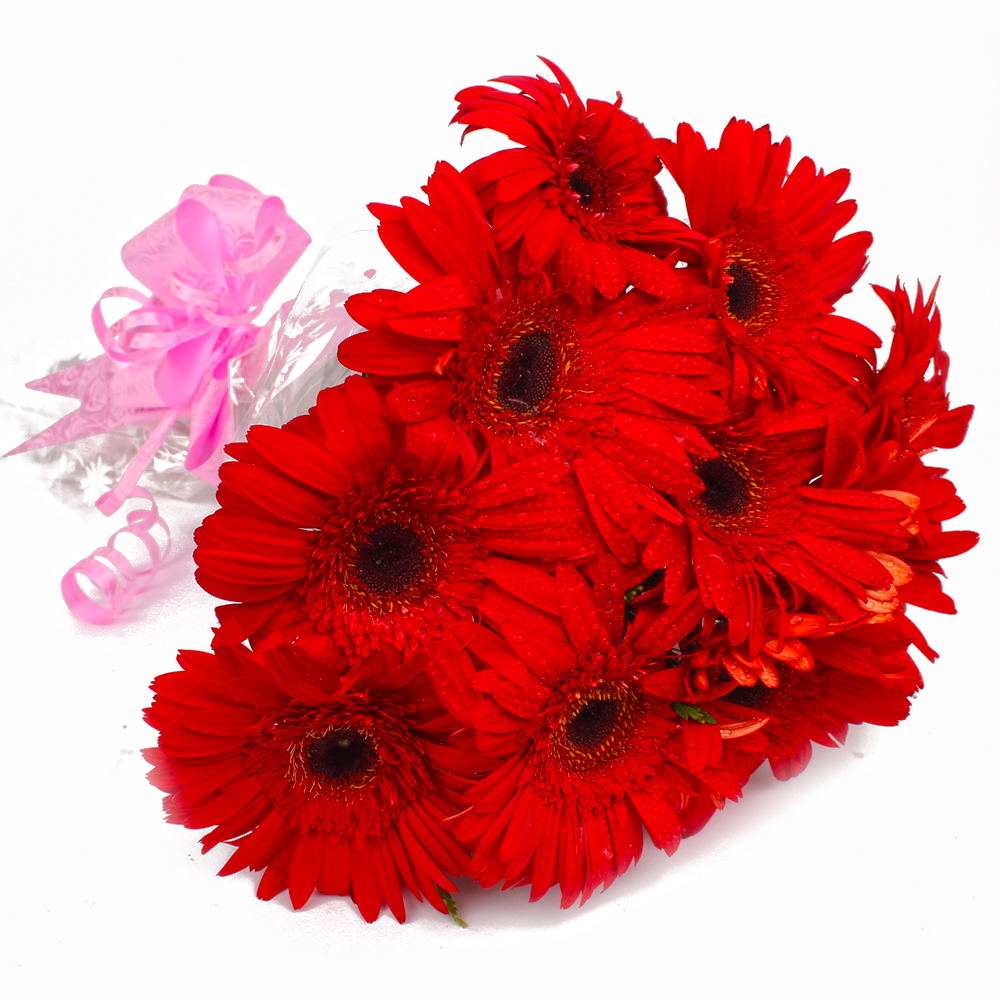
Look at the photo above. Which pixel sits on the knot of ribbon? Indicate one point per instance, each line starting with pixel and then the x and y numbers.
pixel 213 281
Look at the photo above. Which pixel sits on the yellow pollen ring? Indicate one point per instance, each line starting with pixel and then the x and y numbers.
pixel 592 747
pixel 765 293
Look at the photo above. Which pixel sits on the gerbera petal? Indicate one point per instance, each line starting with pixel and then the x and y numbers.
pixel 306 863
pixel 273 493
pixel 609 276
pixel 525 582
pixel 672 625
pixel 443 295
pixel 430 326
pixel 386 354
pixel 493 650
pixel 546 656
pixel 226 529
pixel 502 608
pixel 514 185
pixel 647 272
pixel 262 568
pixel 335 875
pixel 600 855
pixel 369 309
pixel 608 598
pixel 365 890
pixel 544 234
pixel 678 394
pixel 578 611
pixel 659 819
pixel 399 238
pixel 412 402
pixel 388 879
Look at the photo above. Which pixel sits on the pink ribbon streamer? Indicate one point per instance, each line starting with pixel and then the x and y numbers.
pixel 111 572
pixel 210 265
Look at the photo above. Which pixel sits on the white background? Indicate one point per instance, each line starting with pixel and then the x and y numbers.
pixel 872 874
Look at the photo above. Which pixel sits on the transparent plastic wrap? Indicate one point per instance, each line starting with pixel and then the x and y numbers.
pixel 300 355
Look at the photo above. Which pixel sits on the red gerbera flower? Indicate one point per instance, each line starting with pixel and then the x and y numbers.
pixel 581 188
pixel 884 448
pixel 596 750
pixel 881 445
pixel 761 531
pixel 614 388
pixel 809 680
pixel 894 469
pixel 325 782
pixel 341 533
pixel 919 405
pixel 771 247
pixel 939 502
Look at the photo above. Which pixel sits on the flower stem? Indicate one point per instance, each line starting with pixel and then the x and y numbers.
pixel 452 908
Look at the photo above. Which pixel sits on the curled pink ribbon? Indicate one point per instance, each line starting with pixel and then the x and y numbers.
pixel 111 572
pixel 210 264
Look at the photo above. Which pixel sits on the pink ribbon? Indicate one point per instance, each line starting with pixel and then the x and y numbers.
pixel 111 572
pixel 210 264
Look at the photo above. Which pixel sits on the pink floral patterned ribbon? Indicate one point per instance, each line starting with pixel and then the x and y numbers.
pixel 210 264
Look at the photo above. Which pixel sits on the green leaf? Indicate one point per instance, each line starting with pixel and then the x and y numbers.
pixel 692 712
pixel 452 908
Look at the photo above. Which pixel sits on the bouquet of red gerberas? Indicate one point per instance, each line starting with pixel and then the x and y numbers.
pixel 618 509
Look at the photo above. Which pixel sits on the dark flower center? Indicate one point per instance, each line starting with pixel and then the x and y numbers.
pixel 726 492
pixel 748 697
pixel 341 754
pixel 582 187
pixel 593 724
pixel 391 559
pixel 527 373
pixel 743 293
pixel 590 180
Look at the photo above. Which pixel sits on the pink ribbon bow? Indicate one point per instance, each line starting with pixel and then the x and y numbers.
pixel 210 264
